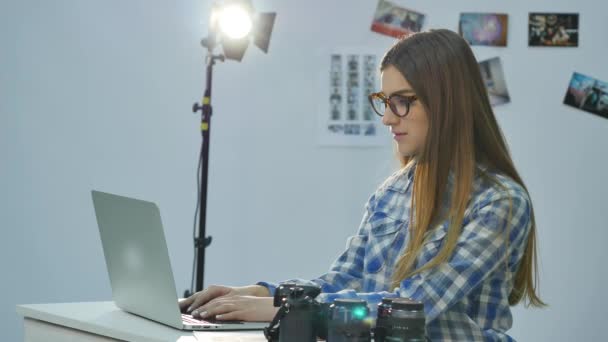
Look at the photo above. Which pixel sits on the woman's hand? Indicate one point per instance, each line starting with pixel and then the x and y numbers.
pixel 216 291
pixel 241 308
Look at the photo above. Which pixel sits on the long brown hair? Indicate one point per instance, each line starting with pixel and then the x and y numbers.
pixel 463 133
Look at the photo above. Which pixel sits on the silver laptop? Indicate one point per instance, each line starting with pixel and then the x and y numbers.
pixel 139 267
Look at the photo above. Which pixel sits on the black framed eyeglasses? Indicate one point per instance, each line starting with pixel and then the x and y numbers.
pixel 399 104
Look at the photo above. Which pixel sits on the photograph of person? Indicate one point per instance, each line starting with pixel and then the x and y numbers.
pixel 588 94
pixel 453 227
pixel 553 29
pixel 395 21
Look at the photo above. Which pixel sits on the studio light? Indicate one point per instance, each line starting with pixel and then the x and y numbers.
pixel 232 25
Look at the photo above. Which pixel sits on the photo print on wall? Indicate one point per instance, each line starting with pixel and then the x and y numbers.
pixel 553 29
pixel 494 79
pixel 488 29
pixel 346 117
pixel 395 21
pixel 588 94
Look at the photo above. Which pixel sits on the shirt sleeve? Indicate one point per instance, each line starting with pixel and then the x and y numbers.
pixel 479 251
pixel 346 272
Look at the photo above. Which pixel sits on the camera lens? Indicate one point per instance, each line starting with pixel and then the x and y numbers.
pixel 406 322
pixel 348 321
pixel 384 311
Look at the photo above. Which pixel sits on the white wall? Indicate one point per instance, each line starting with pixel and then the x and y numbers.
pixel 97 94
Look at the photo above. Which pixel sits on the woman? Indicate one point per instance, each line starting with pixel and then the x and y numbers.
pixel 453 228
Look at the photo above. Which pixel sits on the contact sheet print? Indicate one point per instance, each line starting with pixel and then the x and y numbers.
pixel 346 117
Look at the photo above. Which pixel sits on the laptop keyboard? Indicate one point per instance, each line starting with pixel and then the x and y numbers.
pixel 189 320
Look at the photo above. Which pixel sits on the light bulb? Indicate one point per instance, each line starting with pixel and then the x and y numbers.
pixel 235 22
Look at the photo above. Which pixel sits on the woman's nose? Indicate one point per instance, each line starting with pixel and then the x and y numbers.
pixel 389 118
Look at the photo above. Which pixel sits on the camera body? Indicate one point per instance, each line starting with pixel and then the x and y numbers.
pixel 302 319
pixel 298 319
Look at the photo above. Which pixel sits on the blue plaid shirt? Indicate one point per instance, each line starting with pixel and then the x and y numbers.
pixel 465 298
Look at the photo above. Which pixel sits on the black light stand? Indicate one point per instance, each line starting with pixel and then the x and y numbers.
pixel 200 240
pixel 233 49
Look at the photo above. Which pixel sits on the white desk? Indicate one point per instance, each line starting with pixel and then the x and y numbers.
pixel 103 321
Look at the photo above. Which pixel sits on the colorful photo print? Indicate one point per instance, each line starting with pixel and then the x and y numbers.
pixel 488 29
pixel 494 79
pixel 553 29
pixel 588 94
pixel 396 21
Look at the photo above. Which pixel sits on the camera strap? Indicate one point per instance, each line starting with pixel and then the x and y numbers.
pixel 272 330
